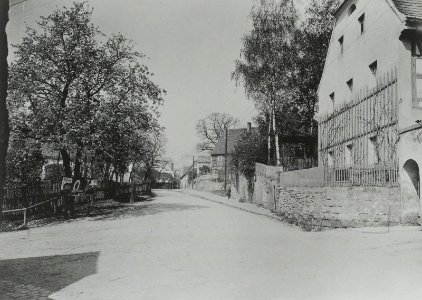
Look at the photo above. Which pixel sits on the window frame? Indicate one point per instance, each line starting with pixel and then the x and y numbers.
pixel 373 155
pixel 331 159
pixel 341 43
pixel 333 98
pixel 349 155
pixel 361 21
pixel 350 85
pixel 352 9
pixel 416 99
pixel 374 68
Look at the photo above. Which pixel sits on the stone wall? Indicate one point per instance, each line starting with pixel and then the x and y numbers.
pixel 301 198
pixel 339 206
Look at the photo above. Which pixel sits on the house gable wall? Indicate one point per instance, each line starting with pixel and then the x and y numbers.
pixel 379 42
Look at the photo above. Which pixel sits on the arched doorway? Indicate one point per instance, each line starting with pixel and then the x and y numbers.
pixel 412 169
pixel 410 193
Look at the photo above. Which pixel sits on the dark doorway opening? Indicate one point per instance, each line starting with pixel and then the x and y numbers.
pixel 412 169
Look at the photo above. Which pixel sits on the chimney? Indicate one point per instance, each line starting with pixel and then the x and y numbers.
pixel 248 127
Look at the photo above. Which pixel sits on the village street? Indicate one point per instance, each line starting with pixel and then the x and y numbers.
pixel 183 247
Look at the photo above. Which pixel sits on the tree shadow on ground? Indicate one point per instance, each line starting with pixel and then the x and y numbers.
pixel 130 211
pixel 113 210
pixel 39 277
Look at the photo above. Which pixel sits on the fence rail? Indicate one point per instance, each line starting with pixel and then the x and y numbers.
pixel 48 198
pixel 23 197
pixel 362 176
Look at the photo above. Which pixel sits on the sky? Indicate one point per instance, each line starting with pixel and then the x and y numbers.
pixel 190 46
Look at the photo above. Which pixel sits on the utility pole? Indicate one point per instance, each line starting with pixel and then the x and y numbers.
pixel 193 169
pixel 225 161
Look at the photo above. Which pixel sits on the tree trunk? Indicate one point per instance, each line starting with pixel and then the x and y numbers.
pixel 85 166
pixel 66 163
pixel 77 167
pixel 107 172
pixel 277 145
pixel 269 138
pixel 4 115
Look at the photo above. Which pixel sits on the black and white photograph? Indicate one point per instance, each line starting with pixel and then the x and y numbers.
pixel 210 149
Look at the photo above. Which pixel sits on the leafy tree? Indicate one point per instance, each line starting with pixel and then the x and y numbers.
pixel 213 126
pixel 266 64
pixel 153 152
pixel 4 117
pixel 24 162
pixel 249 150
pixel 312 40
pixel 282 63
pixel 83 89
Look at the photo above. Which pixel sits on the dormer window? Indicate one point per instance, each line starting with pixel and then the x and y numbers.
pixel 341 43
pixel 362 23
pixel 352 9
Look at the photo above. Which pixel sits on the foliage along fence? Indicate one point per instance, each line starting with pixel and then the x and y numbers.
pixel 293 163
pixel 47 198
pixel 358 141
pixel 21 197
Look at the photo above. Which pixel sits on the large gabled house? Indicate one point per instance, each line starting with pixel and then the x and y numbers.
pixel 370 99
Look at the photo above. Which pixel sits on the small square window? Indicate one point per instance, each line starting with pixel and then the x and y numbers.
pixel 331 158
pixel 374 68
pixel 341 43
pixel 362 23
pixel 349 155
pixel 350 84
pixel 373 157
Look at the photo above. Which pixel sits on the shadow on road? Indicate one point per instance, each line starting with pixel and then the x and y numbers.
pixel 125 211
pixel 39 277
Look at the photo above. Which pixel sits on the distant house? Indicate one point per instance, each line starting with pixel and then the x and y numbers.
pixel 370 99
pixel 218 153
pixel 53 166
pixel 203 160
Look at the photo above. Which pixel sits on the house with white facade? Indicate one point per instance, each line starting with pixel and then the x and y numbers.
pixel 370 100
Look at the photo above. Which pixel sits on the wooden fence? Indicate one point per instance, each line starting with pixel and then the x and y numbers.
pixel 21 197
pixel 47 198
pixel 358 140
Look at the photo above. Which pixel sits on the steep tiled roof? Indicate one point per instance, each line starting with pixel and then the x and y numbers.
pixel 233 137
pixel 410 8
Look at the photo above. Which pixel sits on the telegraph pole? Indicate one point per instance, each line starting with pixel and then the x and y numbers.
pixel 225 161
pixel 193 169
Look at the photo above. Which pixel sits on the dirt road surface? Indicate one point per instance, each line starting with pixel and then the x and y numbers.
pixel 183 247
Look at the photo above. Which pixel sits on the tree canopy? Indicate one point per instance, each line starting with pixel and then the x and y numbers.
pixel 213 126
pixel 82 92
pixel 281 64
